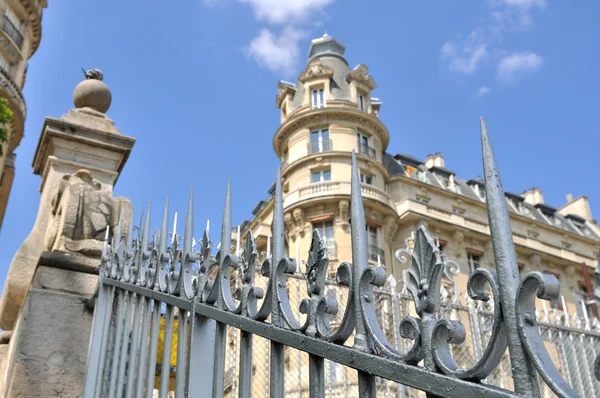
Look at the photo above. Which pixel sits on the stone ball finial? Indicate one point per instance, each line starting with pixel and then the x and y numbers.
pixel 92 92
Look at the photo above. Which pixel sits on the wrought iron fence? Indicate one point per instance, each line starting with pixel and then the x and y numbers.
pixel 248 333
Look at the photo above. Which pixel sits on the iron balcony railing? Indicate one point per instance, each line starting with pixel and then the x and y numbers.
pixel 375 253
pixel 367 150
pixel 11 30
pixel 319 146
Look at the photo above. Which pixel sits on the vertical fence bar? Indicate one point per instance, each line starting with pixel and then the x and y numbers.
pixel 165 370
pixel 117 344
pixel 182 322
pixel 153 349
pixel 358 231
pixel 133 356
pixel 144 346
pixel 200 356
pixel 277 375
pixel 505 258
pixel 125 347
pixel 316 371
pixel 221 328
pixel 100 323
pixel 245 371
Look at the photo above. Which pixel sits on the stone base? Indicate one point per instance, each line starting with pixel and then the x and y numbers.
pixel 48 350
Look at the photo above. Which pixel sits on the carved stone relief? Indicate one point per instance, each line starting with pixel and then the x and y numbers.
pixel 82 211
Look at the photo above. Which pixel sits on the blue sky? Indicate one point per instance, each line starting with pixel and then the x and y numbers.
pixel 195 84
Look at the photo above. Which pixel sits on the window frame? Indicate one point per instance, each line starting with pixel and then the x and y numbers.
pixel 474 262
pixel 319 140
pixel 320 172
pixel 366 178
pixel 317 101
pixel 362 102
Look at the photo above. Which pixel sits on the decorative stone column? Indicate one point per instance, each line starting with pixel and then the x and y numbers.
pixel 54 272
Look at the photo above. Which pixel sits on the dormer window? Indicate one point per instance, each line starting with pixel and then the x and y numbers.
pixel 362 102
pixel 318 98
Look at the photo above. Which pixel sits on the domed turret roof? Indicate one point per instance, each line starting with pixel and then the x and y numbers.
pixel 329 52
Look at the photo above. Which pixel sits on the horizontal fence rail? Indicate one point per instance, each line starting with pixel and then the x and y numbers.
pixel 171 319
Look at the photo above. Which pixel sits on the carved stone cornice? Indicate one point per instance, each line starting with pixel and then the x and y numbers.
pixel 328 115
pixel 360 74
pixel 315 70
pixel 34 13
pixel 283 90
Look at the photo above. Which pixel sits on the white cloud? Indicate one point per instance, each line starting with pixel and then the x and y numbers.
pixel 505 16
pixel 276 53
pixel 524 3
pixel 483 91
pixel 285 11
pixel 465 59
pixel 511 66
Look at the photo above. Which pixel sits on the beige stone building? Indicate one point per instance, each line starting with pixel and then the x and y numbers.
pixel 330 111
pixel 20 36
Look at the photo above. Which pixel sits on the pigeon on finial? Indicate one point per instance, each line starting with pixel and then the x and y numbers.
pixel 95 74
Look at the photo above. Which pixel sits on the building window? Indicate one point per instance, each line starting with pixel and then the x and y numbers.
pixel 374 251
pixel 4 64
pixel 326 232
pixel 474 262
pixel 12 27
pixel 319 141
pixel 363 145
pixel 321 175
pixel 366 179
pixel 362 103
pixel 318 98
pixel 325 229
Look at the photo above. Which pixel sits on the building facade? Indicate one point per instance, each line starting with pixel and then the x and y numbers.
pixel 20 36
pixel 330 112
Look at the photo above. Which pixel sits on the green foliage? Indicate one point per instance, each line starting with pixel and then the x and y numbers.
pixel 5 116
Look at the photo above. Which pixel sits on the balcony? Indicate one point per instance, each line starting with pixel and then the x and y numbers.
pixel 319 187
pixel 367 150
pixel 376 253
pixel 319 146
pixel 12 32
pixel 327 188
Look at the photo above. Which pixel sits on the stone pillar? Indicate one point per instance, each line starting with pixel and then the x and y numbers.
pixel 79 157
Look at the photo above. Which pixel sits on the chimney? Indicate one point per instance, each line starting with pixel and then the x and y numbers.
pixel 534 196
pixel 436 160
pixel 579 207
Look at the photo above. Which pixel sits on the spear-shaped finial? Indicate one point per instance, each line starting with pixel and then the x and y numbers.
pixel 189 226
pixel 507 268
pixel 277 227
pixel 165 229
pixel 119 230
pixel 226 227
pixel 175 229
